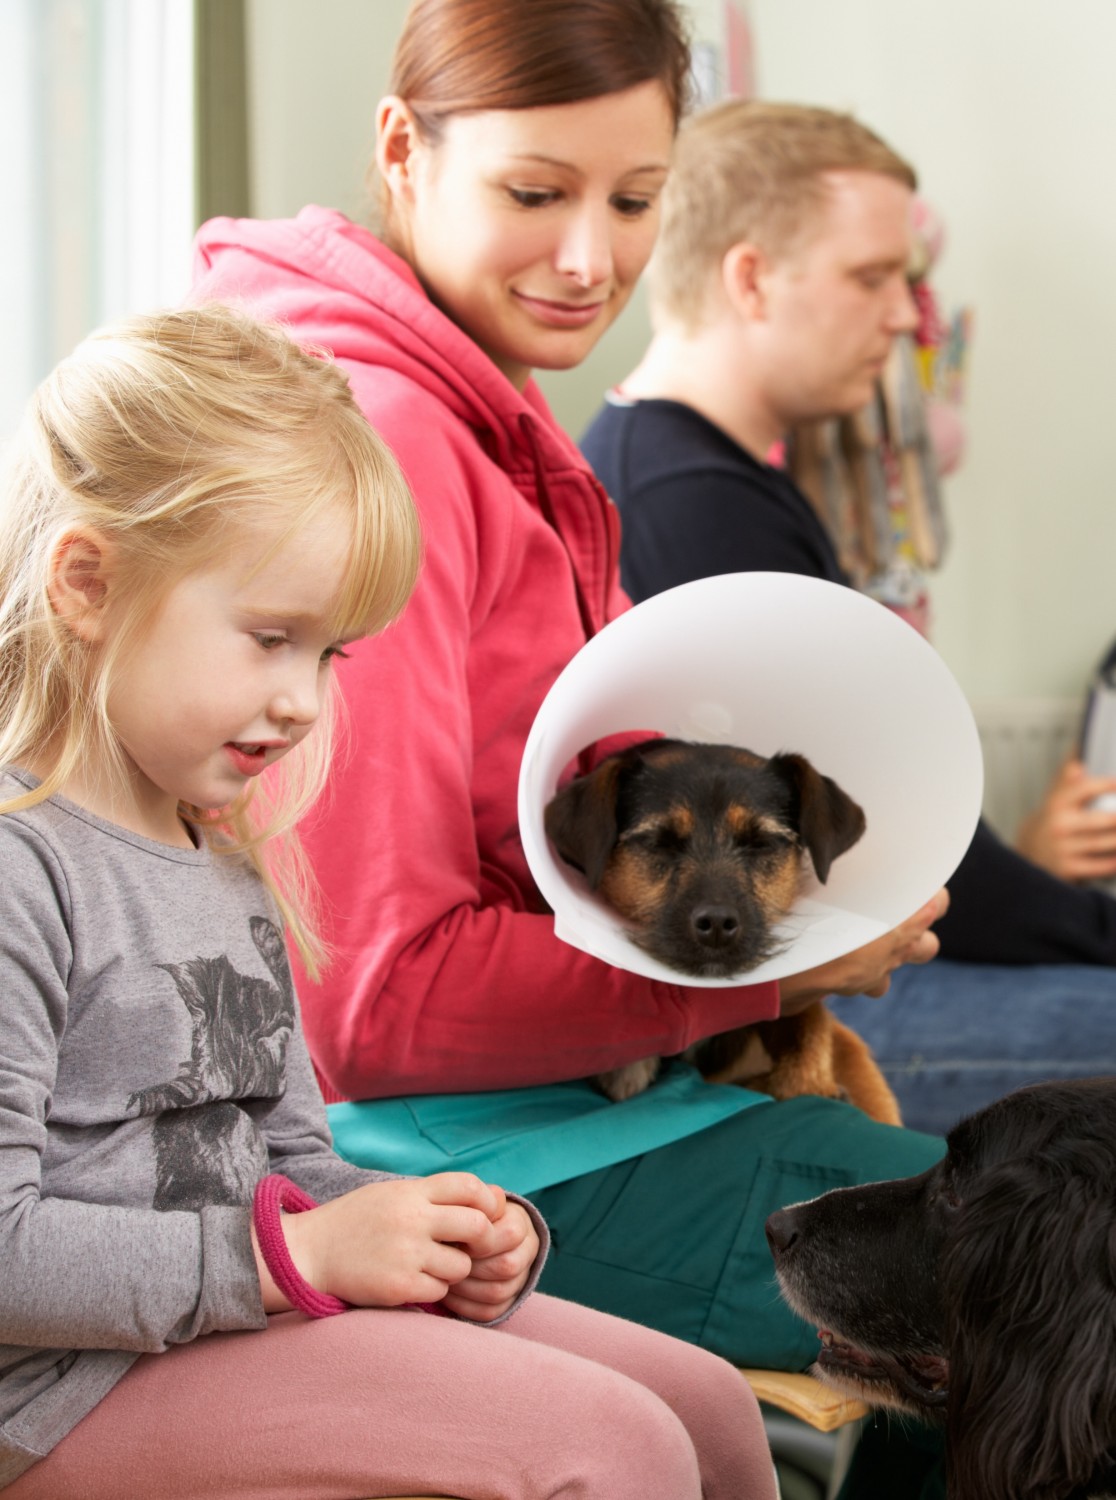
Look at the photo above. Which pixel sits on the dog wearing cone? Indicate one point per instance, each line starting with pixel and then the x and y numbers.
pixel 701 849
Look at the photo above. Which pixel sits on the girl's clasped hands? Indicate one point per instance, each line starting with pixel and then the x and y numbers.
pixel 450 1238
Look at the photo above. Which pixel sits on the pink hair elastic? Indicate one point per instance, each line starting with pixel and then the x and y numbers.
pixel 275 1194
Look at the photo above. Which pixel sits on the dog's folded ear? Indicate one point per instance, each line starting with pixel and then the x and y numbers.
pixel 580 819
pixel 829 821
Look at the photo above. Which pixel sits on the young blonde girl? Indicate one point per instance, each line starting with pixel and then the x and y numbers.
pixel 196 524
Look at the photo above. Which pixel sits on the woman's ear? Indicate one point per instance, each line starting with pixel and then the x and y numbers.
pixel 743 270
pixel 397 143
pixel 80 578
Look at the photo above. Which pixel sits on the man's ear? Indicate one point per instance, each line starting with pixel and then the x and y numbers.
pixel 743 269
pixel 398 140
pixel 80 575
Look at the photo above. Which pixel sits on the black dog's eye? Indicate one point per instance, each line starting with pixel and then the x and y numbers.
pixel 947 1196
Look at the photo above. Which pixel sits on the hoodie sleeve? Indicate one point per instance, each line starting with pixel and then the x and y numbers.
pixel 443 978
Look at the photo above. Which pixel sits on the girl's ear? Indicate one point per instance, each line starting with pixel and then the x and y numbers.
pixel 80 576
pixel 397 143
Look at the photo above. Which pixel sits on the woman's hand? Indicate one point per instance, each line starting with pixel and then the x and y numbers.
pixel 867 970
pixel 1066 834
pixel 405 1240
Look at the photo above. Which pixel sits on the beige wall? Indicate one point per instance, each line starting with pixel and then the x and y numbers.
pixel 1007 108
pixel 316 70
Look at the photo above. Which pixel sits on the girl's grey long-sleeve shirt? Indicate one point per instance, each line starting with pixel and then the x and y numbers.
pixel 152 1070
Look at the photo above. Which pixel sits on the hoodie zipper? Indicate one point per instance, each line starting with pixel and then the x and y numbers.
pixel 542 497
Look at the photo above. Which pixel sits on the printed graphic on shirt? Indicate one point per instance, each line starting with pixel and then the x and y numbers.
pixel 209 1156
pixel 207 1149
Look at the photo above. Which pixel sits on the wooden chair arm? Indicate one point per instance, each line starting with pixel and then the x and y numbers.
pixel 805 1397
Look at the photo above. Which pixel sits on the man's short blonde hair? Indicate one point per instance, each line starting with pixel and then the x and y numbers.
pixel 747 170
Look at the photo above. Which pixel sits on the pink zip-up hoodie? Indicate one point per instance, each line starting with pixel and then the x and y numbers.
pixel 447 977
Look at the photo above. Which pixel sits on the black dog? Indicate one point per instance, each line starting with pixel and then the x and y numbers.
pixel 982 1292
pixel 701 848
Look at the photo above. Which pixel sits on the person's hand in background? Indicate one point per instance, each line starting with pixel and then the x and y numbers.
pixel 1067 834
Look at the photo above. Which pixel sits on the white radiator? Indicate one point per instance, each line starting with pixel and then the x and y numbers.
pixel 1024 740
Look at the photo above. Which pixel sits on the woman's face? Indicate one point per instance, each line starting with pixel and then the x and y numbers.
pixel 529 227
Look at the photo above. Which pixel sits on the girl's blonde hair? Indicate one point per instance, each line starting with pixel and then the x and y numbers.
pixel 174 436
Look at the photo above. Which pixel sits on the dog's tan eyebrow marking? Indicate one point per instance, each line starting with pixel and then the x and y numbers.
pixel 743 820
pixel 676 820
pixel 681 819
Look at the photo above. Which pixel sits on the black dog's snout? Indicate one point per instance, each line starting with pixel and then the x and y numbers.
pixel 715 925
pixel 781 1231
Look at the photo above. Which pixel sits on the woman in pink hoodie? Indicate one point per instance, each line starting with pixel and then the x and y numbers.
pixel 521 155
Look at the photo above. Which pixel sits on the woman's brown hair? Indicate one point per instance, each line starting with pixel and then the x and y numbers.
pixel 464 56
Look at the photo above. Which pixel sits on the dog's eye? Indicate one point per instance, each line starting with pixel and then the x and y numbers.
pixel 762 841
pixel 669 841
pixel 662 839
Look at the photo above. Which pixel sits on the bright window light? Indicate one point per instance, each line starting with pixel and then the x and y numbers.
pixel 97 178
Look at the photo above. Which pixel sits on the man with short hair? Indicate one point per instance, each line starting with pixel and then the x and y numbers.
pixel 777 288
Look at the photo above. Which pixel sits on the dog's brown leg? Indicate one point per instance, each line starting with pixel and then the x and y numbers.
pixel 628 1080
pixel 803 1056
pixel 783 1058
pixel 733 1057
pixel 807 1053
pixel 859 1074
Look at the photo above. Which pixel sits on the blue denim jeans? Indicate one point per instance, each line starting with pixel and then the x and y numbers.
pixel 952 1037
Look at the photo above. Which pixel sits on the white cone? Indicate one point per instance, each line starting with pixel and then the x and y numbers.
pixel 773 661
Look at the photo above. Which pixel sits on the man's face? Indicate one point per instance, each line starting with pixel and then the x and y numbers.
pixel 834 303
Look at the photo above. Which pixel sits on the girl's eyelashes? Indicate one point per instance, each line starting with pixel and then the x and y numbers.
pixel 269 640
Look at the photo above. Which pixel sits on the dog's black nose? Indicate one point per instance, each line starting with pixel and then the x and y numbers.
pixel 714 925
pixel 781 1231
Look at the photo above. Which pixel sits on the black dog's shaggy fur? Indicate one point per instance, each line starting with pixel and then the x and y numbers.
pixel 982 1292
